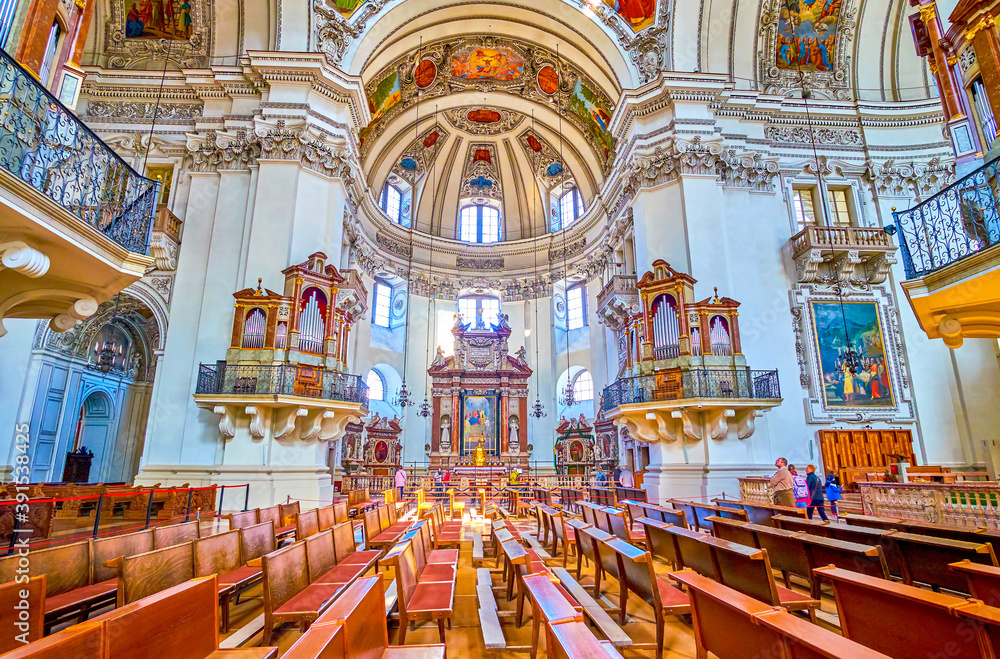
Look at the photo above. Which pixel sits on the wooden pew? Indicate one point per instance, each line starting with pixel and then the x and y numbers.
pixel 921 624
pixel 785 551
pixel 965 534
pixel 691 552
pixel 256 541
pixel 589 541
pixel 602 518
pixel 659 541
pixel 633 493
pixel 732 625
pixel 436 555
pixel 146 574
pixel 748 570
pixel 983 581
pixel 82 641
pixel 926 559
pixel 181 622
pixel 347 551
pixel 243 519
pixel 355 626
pixel 307 524
pixel 636 574
pixel 222 556
pixel 420 601
pixel 621 528
pixel 23 605
pixel 761 513
pixel 321 561
pixel 872 521
pixel 821 552
pixel 548 605
pixel 864 535
pixel 698 513
pixel 288 595
pixel 446 533
pixel 561 533
pixel 733 531
pixel 341 511
pixel 574 640
pixel 273 514
pixel 289 512
pixel 175 534
pixel 575 526
pixel 812 526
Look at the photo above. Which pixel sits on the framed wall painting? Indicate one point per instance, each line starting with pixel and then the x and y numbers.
pixel 479 424
pixel 852 325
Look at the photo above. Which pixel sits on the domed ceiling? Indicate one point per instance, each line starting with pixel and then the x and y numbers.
pixel 484 119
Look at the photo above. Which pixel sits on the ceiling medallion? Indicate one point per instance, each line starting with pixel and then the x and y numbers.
pixel 483 120
pixel 548 80
pixel 424 74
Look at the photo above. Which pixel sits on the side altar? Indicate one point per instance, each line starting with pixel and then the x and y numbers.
pixel 480 401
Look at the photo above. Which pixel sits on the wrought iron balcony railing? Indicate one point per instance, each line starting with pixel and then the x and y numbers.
pixel 959 221
pixel 45 145
pixel 741 383
pixel 280 380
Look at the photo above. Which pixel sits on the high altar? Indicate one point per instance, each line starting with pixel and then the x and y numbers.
pixel 480 400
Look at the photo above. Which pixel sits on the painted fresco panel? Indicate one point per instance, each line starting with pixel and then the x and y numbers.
pixel 159 19
pixel 807 34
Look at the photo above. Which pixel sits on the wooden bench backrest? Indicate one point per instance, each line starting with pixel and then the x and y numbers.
pixel 926 559
pixel 82 641
pixel 256 541
pixel 619 527
pixel 733 531
pixel 181 622
pixel 270 514
pixel 675 517
pixel 406 575
pixel 285 574
pixel 146 574
pixel 758 513
pixel 691 552
pixel 11 597
pixel 341 511
pixel 383 518
pixel 103 550
pixel 689 512
pixel 983 580
pixel 659 541
pixel 217 554
pixel 242 519
pixel 325 517
pixel 812 526
pixel 742 568
pixel 602 520
pixel 865 535
pixel 372 526
pixel 590 538
pixel 320 554
pixel 965 534
pixel 898 619
pixel 67 568
pixel 175 534
pixel 289 511
pixel 873 522
pixel 306 524
pixel 866 559
pixel 393 514
pixel 784 549
pixel 343 540
pixel 637 566
pixel 588 509
pixel 359 610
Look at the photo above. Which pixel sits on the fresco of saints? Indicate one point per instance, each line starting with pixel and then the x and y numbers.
pixel 639 13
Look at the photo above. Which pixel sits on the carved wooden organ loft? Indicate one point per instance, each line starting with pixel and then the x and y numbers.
pixel 674 350
pixel 309 324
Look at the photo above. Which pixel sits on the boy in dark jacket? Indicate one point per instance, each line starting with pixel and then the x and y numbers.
pixel 815 485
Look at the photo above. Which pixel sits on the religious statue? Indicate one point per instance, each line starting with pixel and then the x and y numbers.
pixel 514 443
pixel 446 435
pixel 440 358
pixel 503 322
pixel 521 355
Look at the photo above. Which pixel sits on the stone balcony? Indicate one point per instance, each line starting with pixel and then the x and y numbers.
pixel 166 238
pixel 855 254
pixel 618 301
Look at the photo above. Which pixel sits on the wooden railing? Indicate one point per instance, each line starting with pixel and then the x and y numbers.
pixel 957 504
pixel 755 488
pixel 815 236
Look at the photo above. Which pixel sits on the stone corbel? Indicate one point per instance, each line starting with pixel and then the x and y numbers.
pixel 287 425
pixel 690 422
pixel 745 422
pixel 879 268
pixel 227 427
pixel 258 420
pixel 807 266
pixel 314 425
pixel 718 422
pixel 336 424
pixel 846 265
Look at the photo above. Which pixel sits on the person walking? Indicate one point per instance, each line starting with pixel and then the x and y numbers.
pixel 781 484
pixel 833 492
pixel 438 482
pixel 400 481
pixel 815 485
pixel 799 487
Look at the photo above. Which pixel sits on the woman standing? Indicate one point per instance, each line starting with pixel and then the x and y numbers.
pixel 815 485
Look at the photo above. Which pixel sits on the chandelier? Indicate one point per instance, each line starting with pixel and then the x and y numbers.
pixel 403 397
pixel 104 355
pixel 568 397
pixel 425 408
pixel 537 410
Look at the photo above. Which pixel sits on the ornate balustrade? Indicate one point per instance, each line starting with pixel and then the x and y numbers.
pixel 697 383
pixel 280 380
pixel 617 301
pixel 44 145
pixel 846 237
pixel 168 223
pixel 756 488
pixel 958 504
pixel 956 223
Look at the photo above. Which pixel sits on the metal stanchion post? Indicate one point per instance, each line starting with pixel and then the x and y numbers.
pixel 246 501
pixel 222 495
pixel 149 506
pixel 187 513
pixel 97 517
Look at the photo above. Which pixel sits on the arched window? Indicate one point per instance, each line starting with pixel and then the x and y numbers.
pixel 469 308
pixel 479 223
pixel 376 385
pixel 583 387
pixel 666 328
pixel 392 202
pixel 312 320
pixel 570 207
pixel 253 329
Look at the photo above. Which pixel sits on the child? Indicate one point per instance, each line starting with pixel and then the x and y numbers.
pixel 833 490
pixel 799 488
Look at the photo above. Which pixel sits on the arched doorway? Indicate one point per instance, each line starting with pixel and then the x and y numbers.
pixel 96 429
